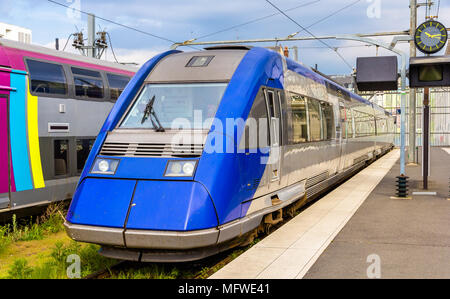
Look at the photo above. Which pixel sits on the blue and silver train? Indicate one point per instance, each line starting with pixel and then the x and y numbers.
pixel 204 149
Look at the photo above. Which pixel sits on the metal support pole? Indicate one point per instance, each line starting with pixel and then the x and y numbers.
pixel 91 36
pixel 426 138
pixel 412 91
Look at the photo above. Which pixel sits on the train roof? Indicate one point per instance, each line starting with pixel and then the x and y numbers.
pixel 213 64
pixel 65 55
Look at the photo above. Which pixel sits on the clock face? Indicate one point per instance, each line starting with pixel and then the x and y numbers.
pixel 431 37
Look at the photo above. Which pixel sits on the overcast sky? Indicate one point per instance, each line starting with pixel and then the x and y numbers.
pixel 180 20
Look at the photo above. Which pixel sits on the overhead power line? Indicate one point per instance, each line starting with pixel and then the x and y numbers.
pixel 112 49
pixel 310 33
pixel 255 20
pixel 333 14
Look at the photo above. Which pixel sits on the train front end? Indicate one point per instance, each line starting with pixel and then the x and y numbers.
pixel 152 190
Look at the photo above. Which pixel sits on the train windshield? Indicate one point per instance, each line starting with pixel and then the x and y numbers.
pixel 175 106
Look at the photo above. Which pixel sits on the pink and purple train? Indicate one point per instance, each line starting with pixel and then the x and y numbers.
pixel 52 106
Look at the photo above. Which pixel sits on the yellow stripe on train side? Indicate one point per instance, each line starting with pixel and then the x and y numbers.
pixel 33 140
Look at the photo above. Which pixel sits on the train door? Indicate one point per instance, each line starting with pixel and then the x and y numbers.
pixel 274 107
pixel 4 153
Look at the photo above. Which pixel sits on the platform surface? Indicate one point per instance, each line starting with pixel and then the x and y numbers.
pixel 410 237
pixel 293 249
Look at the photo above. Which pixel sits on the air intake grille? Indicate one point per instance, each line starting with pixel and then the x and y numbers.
pixel 151 150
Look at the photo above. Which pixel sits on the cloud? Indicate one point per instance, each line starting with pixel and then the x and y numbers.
pixel 180 20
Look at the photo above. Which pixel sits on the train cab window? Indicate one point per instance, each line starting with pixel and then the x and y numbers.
pixel 46 78
pixel 314 120
pixel 60 153
pixel 84 147
pixel 117 84
pixel 299 119
pixel 175 106
pixel 327 121
pixel 88 83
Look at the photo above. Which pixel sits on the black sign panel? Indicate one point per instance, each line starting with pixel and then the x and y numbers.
pixel 429 71
pixel 377 73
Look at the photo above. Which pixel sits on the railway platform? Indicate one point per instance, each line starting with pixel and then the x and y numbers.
pixel 358 224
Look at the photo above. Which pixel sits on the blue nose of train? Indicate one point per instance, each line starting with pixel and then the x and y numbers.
pixel 143 205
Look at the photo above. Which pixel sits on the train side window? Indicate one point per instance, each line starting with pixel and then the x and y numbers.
pixel 314 120
pixel 364 124
pixel 257 118
pixel 46 77
pixel 299 119
pixel 270 100
pixel 61 148
pixel 84 147
pixel 88 83
pixel 117 84
pixel 327 121
pixel 344 122
pixel 349 123
pixel 382 126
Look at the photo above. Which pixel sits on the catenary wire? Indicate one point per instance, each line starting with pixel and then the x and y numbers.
pixel 310 33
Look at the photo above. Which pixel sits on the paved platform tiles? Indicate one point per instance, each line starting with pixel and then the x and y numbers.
pixel 411 237
pixel 290 251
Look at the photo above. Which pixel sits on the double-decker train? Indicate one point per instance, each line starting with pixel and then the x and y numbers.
pixel 203 149
pixel 52 106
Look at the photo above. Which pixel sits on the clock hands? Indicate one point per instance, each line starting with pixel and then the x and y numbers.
pixel 433 36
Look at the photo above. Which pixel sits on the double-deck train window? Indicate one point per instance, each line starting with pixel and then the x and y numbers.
pixel 84 147
pixel 117 84
pixel 299 119
pixel 88 83
pixel 48 78
pixel 61 149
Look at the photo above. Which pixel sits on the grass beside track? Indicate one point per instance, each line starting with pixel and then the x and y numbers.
pixel 38 247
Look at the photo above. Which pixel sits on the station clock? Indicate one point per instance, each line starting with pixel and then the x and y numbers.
pixel 431 37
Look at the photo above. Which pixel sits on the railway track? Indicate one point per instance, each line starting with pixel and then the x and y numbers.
pixel 190 270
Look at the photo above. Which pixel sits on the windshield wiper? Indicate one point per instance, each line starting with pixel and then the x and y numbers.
pixel 149 112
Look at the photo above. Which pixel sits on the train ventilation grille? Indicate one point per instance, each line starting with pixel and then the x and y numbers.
pixel 316 179
pixel 151 150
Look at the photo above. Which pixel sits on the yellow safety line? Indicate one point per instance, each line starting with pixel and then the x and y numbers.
pixel 33 140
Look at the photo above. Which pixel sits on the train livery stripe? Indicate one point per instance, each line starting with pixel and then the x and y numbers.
pixel 18 133
pixel 33 140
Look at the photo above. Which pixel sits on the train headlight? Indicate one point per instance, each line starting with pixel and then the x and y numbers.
pixel 105 166
pixel 180 168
